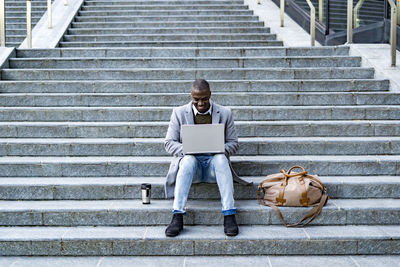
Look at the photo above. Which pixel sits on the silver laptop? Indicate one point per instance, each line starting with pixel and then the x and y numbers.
pixel 203 138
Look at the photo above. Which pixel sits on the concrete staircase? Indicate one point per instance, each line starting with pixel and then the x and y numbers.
pixel 82 126
pixel 16 19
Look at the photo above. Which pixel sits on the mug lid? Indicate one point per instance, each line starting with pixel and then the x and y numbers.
pixel 146 186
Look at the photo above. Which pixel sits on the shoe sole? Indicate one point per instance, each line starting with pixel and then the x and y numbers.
pixel 169 235
pixel 172 235
pixel 231 234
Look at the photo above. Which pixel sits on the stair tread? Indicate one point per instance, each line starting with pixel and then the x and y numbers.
pixel 224 93
pixel 180 58
pixel 197 233
pixel 160 181
pixel 238 107
pixel 169 35
pixel 49 140
pixel 185 80
pixel 193 205
pixel 234 260
pixel 165 123
pixel 166 159
pixel 191 69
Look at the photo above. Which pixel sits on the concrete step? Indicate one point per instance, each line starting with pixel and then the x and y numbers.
pixel 23 13
pixel 19 3
pixel 10 32
pixel 184 62
pixel 22 19
pixel 20 26
pixel 158 166
pixel 241 113
pixel 247 18
pixel 185 52
pixel 156 12
pixel 183 7
pixel 168 2
pixel 193 24
pixel 12 38
pixel 174 99
pixel 186 73
pixel 198 240
pixel 199 212
pixel 169 30
pixel 213 43
pixel 346 128
pixel 20 9
pixel 103 188
pixel 167 37
pixel 273 261
pixel 22 5
pixel 251 146
pixel 12 44
pixel 182 86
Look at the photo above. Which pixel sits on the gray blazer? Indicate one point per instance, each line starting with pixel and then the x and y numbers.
pixel 173 141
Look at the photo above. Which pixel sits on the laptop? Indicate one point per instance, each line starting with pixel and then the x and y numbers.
pixel 203 138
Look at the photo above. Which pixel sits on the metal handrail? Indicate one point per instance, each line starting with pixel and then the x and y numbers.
pixel 321 11
pixel 393 28
pixel 398 13
pixel 356 12
pixel 349 21
pixel 29 22
pixel 2 23
pixel 49 15
pixel 282 6
pixel 312 22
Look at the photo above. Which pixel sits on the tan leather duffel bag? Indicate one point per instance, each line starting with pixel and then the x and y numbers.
pixel 293 189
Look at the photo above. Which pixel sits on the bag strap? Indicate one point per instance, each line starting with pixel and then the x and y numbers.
pixel 309 217
pixel 304 199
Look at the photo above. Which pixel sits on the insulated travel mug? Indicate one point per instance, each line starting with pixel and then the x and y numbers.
pixel 146 193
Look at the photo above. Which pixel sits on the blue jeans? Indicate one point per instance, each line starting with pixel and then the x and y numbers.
pixel 204 168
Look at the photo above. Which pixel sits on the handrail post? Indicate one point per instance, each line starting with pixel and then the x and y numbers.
pixel 349 21
pixel 29 22
pixel 356 12
pixel 398 13
pixel 65 2
pixel 282 6
pixel 49 15
pixel 393 28
pixel 312 22
pixel 259 2
pixel 321 11
pixel 2 23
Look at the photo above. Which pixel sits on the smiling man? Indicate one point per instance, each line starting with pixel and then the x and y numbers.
pixel 206 168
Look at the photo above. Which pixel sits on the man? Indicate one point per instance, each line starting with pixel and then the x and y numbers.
pixel 209 168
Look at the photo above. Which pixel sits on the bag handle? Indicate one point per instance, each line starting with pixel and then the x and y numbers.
pixel 288 175
pixel 308 218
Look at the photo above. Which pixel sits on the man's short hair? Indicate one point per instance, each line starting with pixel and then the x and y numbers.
pixel 200 85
